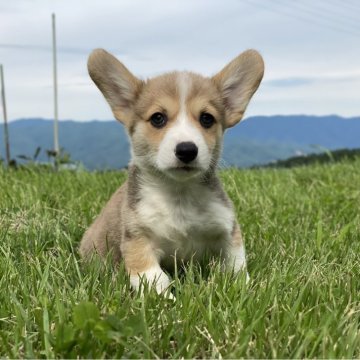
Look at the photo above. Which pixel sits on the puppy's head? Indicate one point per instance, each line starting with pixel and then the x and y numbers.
pixel 176 121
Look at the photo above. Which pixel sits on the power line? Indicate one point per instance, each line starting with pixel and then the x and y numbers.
pixel 60 49
pixel 69 50
pixel 343 11
pixel 300 17
pixel 338 11
pixel 324 16
pixel 351 4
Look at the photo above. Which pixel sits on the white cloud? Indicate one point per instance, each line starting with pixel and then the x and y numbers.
pixel 308 57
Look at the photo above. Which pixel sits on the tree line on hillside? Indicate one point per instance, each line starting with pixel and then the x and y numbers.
pixel 315 158
pixel 64 160
pixel 102 145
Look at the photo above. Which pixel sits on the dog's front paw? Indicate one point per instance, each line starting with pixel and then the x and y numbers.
pixel 237 261
pixel 153 277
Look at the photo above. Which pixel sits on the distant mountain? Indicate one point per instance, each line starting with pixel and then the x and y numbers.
pixel 328 131
pixel 263 139
pixel 256 140
pixel 97 144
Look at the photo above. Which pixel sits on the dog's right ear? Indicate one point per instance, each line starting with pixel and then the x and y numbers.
pixel 118 85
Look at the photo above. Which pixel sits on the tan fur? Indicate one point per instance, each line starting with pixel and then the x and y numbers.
pixel 237 239
pixel 117 232
pixel 105 232
pixel 126 226
pixel 138 255
pixel 195 106
pixel 160 94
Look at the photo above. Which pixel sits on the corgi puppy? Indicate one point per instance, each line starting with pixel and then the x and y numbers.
pixel 172 205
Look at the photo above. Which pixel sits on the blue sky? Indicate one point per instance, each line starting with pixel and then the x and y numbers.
pixel 311 50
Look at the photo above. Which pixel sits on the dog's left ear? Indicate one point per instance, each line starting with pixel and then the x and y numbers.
pixel 238 82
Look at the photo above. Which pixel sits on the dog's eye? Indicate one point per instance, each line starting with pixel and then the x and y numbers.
pixel 158 120
pixel 206 120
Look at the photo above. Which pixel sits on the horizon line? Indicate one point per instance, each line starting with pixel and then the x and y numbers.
pixel 248 117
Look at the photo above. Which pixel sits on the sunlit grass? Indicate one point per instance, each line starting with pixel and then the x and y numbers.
pixel 302 231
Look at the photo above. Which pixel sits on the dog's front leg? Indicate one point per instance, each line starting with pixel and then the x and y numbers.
pixel 236 252
pixel 142 265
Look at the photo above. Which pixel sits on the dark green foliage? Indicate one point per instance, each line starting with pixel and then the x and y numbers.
pixel 322 158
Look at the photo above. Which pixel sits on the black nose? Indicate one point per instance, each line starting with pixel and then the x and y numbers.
pixel 186 151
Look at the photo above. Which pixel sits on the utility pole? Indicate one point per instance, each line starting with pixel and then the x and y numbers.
pixel 56 120
pixel 6 130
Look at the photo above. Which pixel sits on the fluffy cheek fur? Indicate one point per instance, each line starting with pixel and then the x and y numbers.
pixel 214 141
pixel 155 148
pixel 144 145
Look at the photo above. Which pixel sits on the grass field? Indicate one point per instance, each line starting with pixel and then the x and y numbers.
pixel 302 231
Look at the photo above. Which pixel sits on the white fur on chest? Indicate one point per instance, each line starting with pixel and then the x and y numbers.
pixel 185 221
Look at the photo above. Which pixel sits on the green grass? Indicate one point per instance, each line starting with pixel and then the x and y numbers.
pixel 302 231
